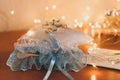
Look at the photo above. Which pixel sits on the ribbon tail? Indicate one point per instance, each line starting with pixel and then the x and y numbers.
pixel 65 73
pixel 49 69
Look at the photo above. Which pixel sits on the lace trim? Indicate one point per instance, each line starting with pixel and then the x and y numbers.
pixel 25 42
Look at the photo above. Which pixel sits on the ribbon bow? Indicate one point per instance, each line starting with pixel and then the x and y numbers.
pixel 52 57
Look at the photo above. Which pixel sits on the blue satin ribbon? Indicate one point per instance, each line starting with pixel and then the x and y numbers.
pixel 56 50
pixel 49 70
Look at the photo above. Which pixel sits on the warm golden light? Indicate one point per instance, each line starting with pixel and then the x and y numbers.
pixel 75 20
pixel 83 10
pixel 37 21
pixel 86 18
pixel 80 24
pixel 90 24
pixel 93 45
pixel 112 62
pixel 12 12
pixel 63 17
pixel 117 13
pixel 46 8
pixel 92 31
pixel 118 0
pixel 54 6
pixel 115 30
pixel 88 8
pixel 75 25
pixel 104 25
pixel 93 77
pixel 30 33
pixel 94 65
pixel 97 25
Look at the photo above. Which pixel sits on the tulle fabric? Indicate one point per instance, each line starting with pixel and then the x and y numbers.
pixel 68 59
pixel 50 49
pixel 17 64
pixel 66 37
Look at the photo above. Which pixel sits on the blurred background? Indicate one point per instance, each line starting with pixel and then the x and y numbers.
pixel 24 14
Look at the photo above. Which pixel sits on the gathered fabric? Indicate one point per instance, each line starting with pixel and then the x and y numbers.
pixel 52 56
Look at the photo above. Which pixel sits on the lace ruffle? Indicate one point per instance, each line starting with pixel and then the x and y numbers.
pixel 65 59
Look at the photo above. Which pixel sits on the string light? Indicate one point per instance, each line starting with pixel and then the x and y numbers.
pixel 118 0
pixel 63 17
pixel 93 77
pixel 97 25
pixel 117 13
pixel 88 8
pixel 86 18
pixel 90 24
pixel 75 20
pixel 80 24
pixel 104 25
pixel 115 30
pixel 12 12
pixel 75 25
pixel 46 8
pixel 112 62
pixel 54 6
pixel 37 21
pixel 113 13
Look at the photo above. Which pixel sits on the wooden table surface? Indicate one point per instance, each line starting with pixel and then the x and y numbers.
pixel 6 47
